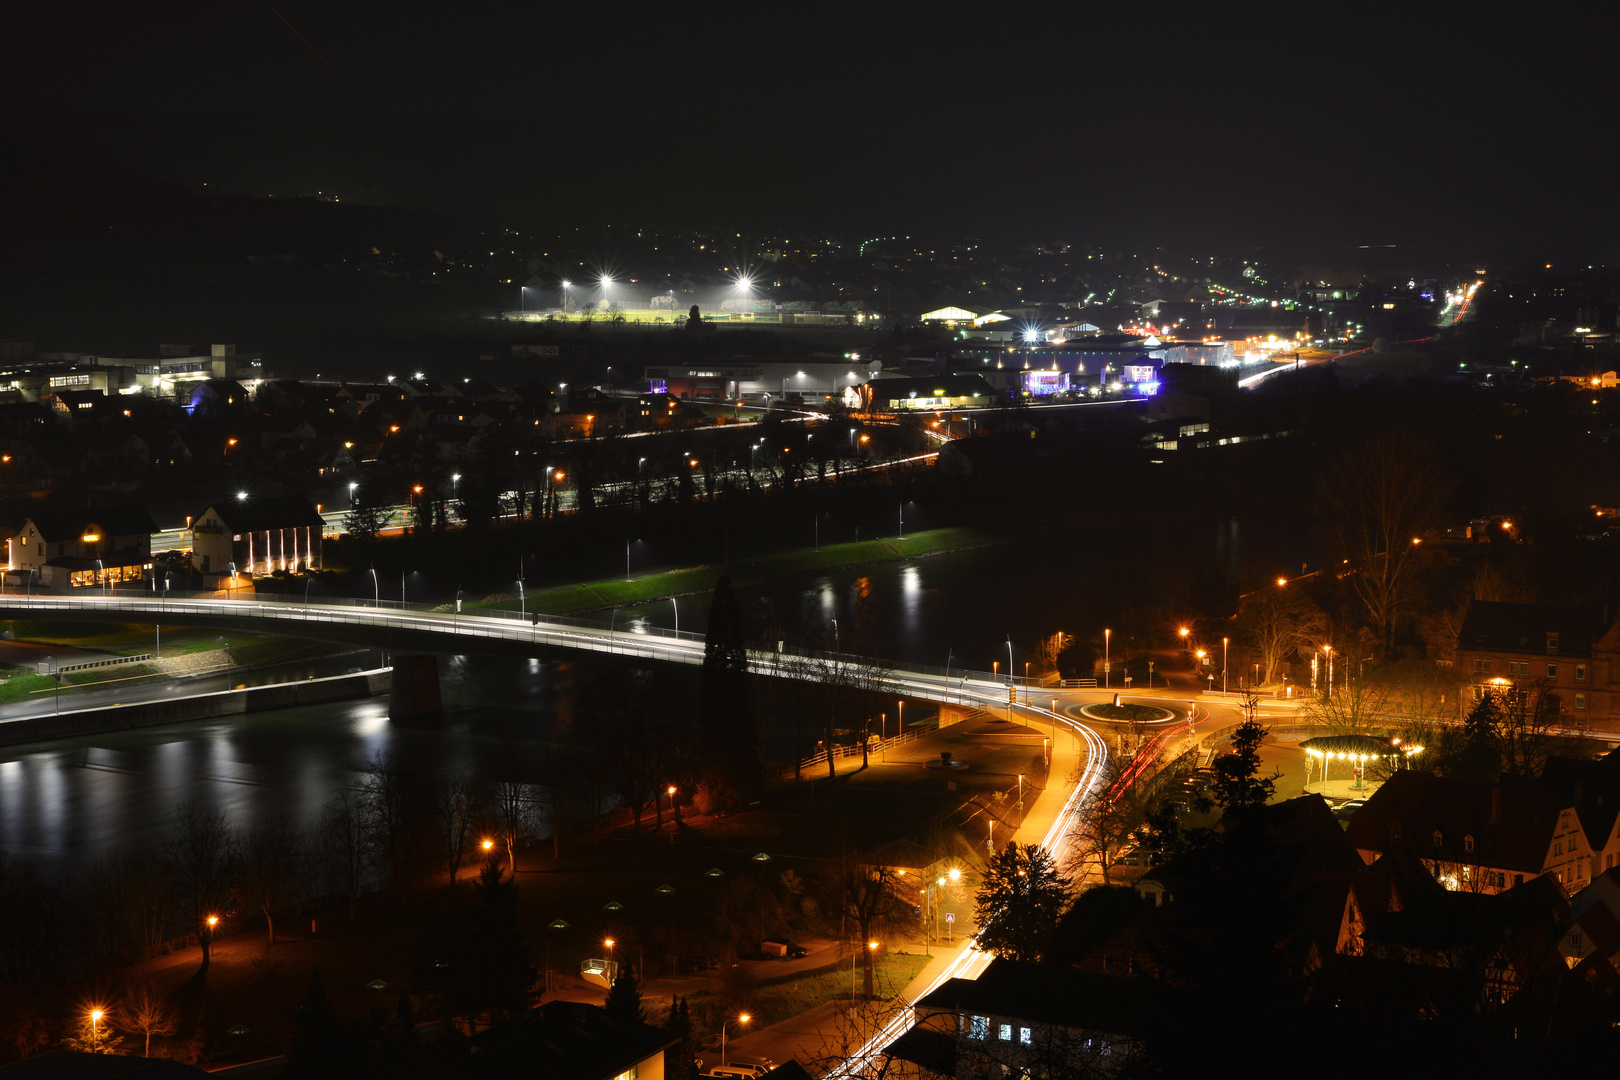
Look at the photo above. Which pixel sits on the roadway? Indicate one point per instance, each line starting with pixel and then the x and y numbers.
pixel 1056 821
pixel 1059 828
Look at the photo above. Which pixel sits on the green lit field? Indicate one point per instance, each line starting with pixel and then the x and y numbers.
pixel 644 588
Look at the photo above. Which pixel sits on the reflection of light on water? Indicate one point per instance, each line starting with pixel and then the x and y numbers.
pixel 534 663
pixel 638 625
pixel 828 599
pixel 910 598
pixel 370 720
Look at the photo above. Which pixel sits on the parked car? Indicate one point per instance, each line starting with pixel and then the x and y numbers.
pixel 731 1070
pixel 742 1059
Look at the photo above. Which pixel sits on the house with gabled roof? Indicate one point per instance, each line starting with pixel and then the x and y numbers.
pixel 257 535
pixel 571 1040
pixel 1474 837
pixel 75 549
pixel 1024 1019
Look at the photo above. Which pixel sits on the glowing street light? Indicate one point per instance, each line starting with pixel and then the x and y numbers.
pixel 741 1018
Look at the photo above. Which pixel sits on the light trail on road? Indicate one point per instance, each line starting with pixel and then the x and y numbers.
pixel 971 961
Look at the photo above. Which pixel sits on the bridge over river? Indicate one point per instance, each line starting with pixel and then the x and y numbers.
pixel 414 633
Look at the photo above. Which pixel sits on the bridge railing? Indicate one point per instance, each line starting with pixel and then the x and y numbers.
pixel 566 631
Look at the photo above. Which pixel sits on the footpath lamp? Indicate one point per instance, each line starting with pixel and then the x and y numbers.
pixel 95 1027
pixel 742 1018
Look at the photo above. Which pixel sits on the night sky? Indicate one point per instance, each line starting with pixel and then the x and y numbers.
pixel 1311 129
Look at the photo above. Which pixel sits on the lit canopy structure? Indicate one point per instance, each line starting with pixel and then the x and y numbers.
pixel 1354 750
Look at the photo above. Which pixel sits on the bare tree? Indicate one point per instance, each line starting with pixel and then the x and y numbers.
pixel 342 843
pixel 868 897
pixel 845 689
pixel 510 802
pixel 112 895
pixel 1377 501
pixel 455 809
pixel 389 815
pixel 202 856
pixel 1277 621
pixel 147 1013
pixel 1359 707
pixel 1114 811
pixel 1526 733
pixel 272 857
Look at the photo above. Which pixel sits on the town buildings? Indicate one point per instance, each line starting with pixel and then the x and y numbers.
pixel 1521 649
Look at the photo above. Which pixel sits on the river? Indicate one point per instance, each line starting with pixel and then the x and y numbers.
pixel 65 802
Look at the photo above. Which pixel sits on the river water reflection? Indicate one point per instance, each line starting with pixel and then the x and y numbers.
pixel 66 802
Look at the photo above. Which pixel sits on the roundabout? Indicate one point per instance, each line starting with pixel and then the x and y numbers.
pixel 1127 714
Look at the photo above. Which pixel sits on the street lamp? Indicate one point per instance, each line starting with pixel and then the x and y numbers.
pixel 1224 643
pixel 95 1029
pixel 353 487
pixel 1107 636
pixel 376 600
pixel 871 947
pixel 742 1018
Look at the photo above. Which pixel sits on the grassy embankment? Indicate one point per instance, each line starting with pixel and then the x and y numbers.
pixel 246 650
pixel 644 588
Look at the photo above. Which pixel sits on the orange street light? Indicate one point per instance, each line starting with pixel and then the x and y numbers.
pixel 742 1018
pixel 487 844
pixel 1281 582
pixel 558 475
pixel 213 921
pixel 1184 631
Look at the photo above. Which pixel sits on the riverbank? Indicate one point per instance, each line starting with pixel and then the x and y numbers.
pixel 647 588
pixel 77 723
pixel 202 655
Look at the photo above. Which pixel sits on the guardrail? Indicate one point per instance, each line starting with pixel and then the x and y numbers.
pixel 65 668
pixel 953 685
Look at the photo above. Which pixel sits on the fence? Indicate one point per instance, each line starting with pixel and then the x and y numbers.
pixel 65 668
pixel 838 753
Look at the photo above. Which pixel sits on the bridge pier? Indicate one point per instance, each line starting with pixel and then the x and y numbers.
pixel 413 690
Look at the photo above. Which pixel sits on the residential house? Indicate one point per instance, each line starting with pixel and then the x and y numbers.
pixel 1593 788
pixel 1517 648
pixel 72 549
pixel 1022 1019
pixel 1489 946
pixel 570 1040
pixel 1483 838
pixel 257 535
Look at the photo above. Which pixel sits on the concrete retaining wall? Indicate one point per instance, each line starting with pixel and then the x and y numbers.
pixel 179 710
